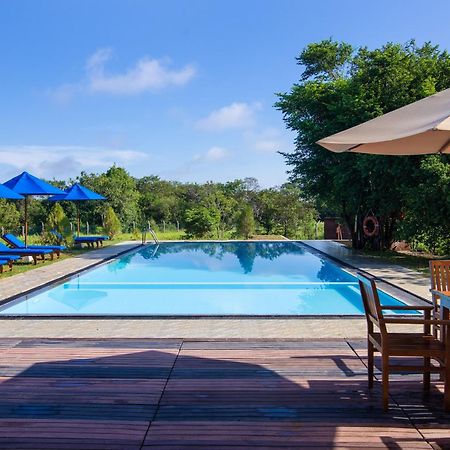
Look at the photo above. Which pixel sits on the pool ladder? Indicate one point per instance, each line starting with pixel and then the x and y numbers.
pixel 152 232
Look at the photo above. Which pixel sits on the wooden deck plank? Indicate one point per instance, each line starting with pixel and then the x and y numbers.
pixel 156 394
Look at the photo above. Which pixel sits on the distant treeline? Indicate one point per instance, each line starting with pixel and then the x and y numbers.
pixel 239 208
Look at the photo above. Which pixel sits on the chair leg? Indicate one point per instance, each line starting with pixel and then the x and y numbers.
pixel 370 363
pixel 426 374
pixel 385 381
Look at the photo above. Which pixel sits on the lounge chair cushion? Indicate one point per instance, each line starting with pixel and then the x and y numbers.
pixel 17 243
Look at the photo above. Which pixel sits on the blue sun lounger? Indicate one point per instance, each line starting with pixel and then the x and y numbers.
pixel 89 240
pixel 8 261
pixel 6 252
pixel 15 242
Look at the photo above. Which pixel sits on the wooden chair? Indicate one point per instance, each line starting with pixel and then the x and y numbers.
pixel 389 344
pixel 440 281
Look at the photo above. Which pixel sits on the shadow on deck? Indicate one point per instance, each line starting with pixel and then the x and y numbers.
pixel 170 394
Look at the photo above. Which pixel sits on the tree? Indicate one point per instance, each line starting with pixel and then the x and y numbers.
pixel 283 211
pixel 57 221
pixel 201 222
pixel 426 215
pixel 112 223
pixel 9 216
pixel 120 190
pixel 341 87
pixel 246 222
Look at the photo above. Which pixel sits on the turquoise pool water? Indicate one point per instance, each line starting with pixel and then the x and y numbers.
pixel 213 278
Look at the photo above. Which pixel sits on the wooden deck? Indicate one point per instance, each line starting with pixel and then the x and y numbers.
pixel 174 394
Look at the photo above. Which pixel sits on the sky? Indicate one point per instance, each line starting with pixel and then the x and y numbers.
pixel 180 89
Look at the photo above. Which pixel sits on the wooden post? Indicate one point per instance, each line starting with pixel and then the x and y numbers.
pixel 78 221
pixel 26 220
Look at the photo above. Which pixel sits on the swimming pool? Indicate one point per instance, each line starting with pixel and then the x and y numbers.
pixel 265 278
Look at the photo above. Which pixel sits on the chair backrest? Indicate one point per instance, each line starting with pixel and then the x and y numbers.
pixel 371 301
pixel 13 240
pixel 440 275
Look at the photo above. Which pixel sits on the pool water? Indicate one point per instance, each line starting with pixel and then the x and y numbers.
pixel 206 278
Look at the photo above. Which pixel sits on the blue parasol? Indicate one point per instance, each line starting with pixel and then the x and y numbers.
pixel 8 193
pixel 77 193
pixel 27 184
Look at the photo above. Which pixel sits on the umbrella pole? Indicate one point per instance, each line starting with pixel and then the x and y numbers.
pixel 26 220
pixel 78 220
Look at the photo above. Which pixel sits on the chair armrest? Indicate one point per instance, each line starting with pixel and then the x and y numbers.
pixel 408 308
pixel 418 321
pixel 438 292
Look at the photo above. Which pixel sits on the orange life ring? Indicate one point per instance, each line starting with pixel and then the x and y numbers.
pixel 371 226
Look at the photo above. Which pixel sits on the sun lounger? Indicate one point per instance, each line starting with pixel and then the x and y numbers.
pixel 89 240
pixel 6 252
pixel 7 261
pixel 15 242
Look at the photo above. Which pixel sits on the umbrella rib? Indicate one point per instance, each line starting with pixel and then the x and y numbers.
pixel 444 147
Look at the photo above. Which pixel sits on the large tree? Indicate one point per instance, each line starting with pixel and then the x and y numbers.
pixel 341 87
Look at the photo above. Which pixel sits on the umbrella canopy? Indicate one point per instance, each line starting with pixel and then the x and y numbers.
pixel 77 193
pixel 8 193
pixel 422 127
pixel 27 184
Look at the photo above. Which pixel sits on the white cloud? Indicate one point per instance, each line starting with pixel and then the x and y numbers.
pixel 268 140
pixel 146 75
pixel 212 155
pixel 61 161
pixel 238 115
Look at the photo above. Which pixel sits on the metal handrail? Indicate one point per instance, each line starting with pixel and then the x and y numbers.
pixel 152 232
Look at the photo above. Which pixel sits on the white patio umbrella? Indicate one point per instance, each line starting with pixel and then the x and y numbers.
pixel 423 127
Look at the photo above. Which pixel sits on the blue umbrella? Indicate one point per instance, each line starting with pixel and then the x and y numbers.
pixel 8 193
pixel 27 184
pixel 77 193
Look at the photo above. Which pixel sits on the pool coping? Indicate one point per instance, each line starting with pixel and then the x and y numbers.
pixel 342 264
pixel 61 278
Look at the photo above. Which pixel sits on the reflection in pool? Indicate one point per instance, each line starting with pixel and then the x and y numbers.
pixel 205 278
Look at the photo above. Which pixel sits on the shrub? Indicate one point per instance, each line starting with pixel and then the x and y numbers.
pixel 9 215
pixel 245 225
pixel 201 222
pixel 112 223
pixel 57 221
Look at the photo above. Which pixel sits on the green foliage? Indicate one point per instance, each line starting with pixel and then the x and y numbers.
pixel 245 225
pixel 210 210
pixel 120 190
pixel 201 222
pixel 57 221
pixel 112 224
pixel 341 87
pixel 9 215
pixel 282 211
pixel 427 219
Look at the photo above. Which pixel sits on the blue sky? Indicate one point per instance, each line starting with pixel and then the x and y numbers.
pixel 179 89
